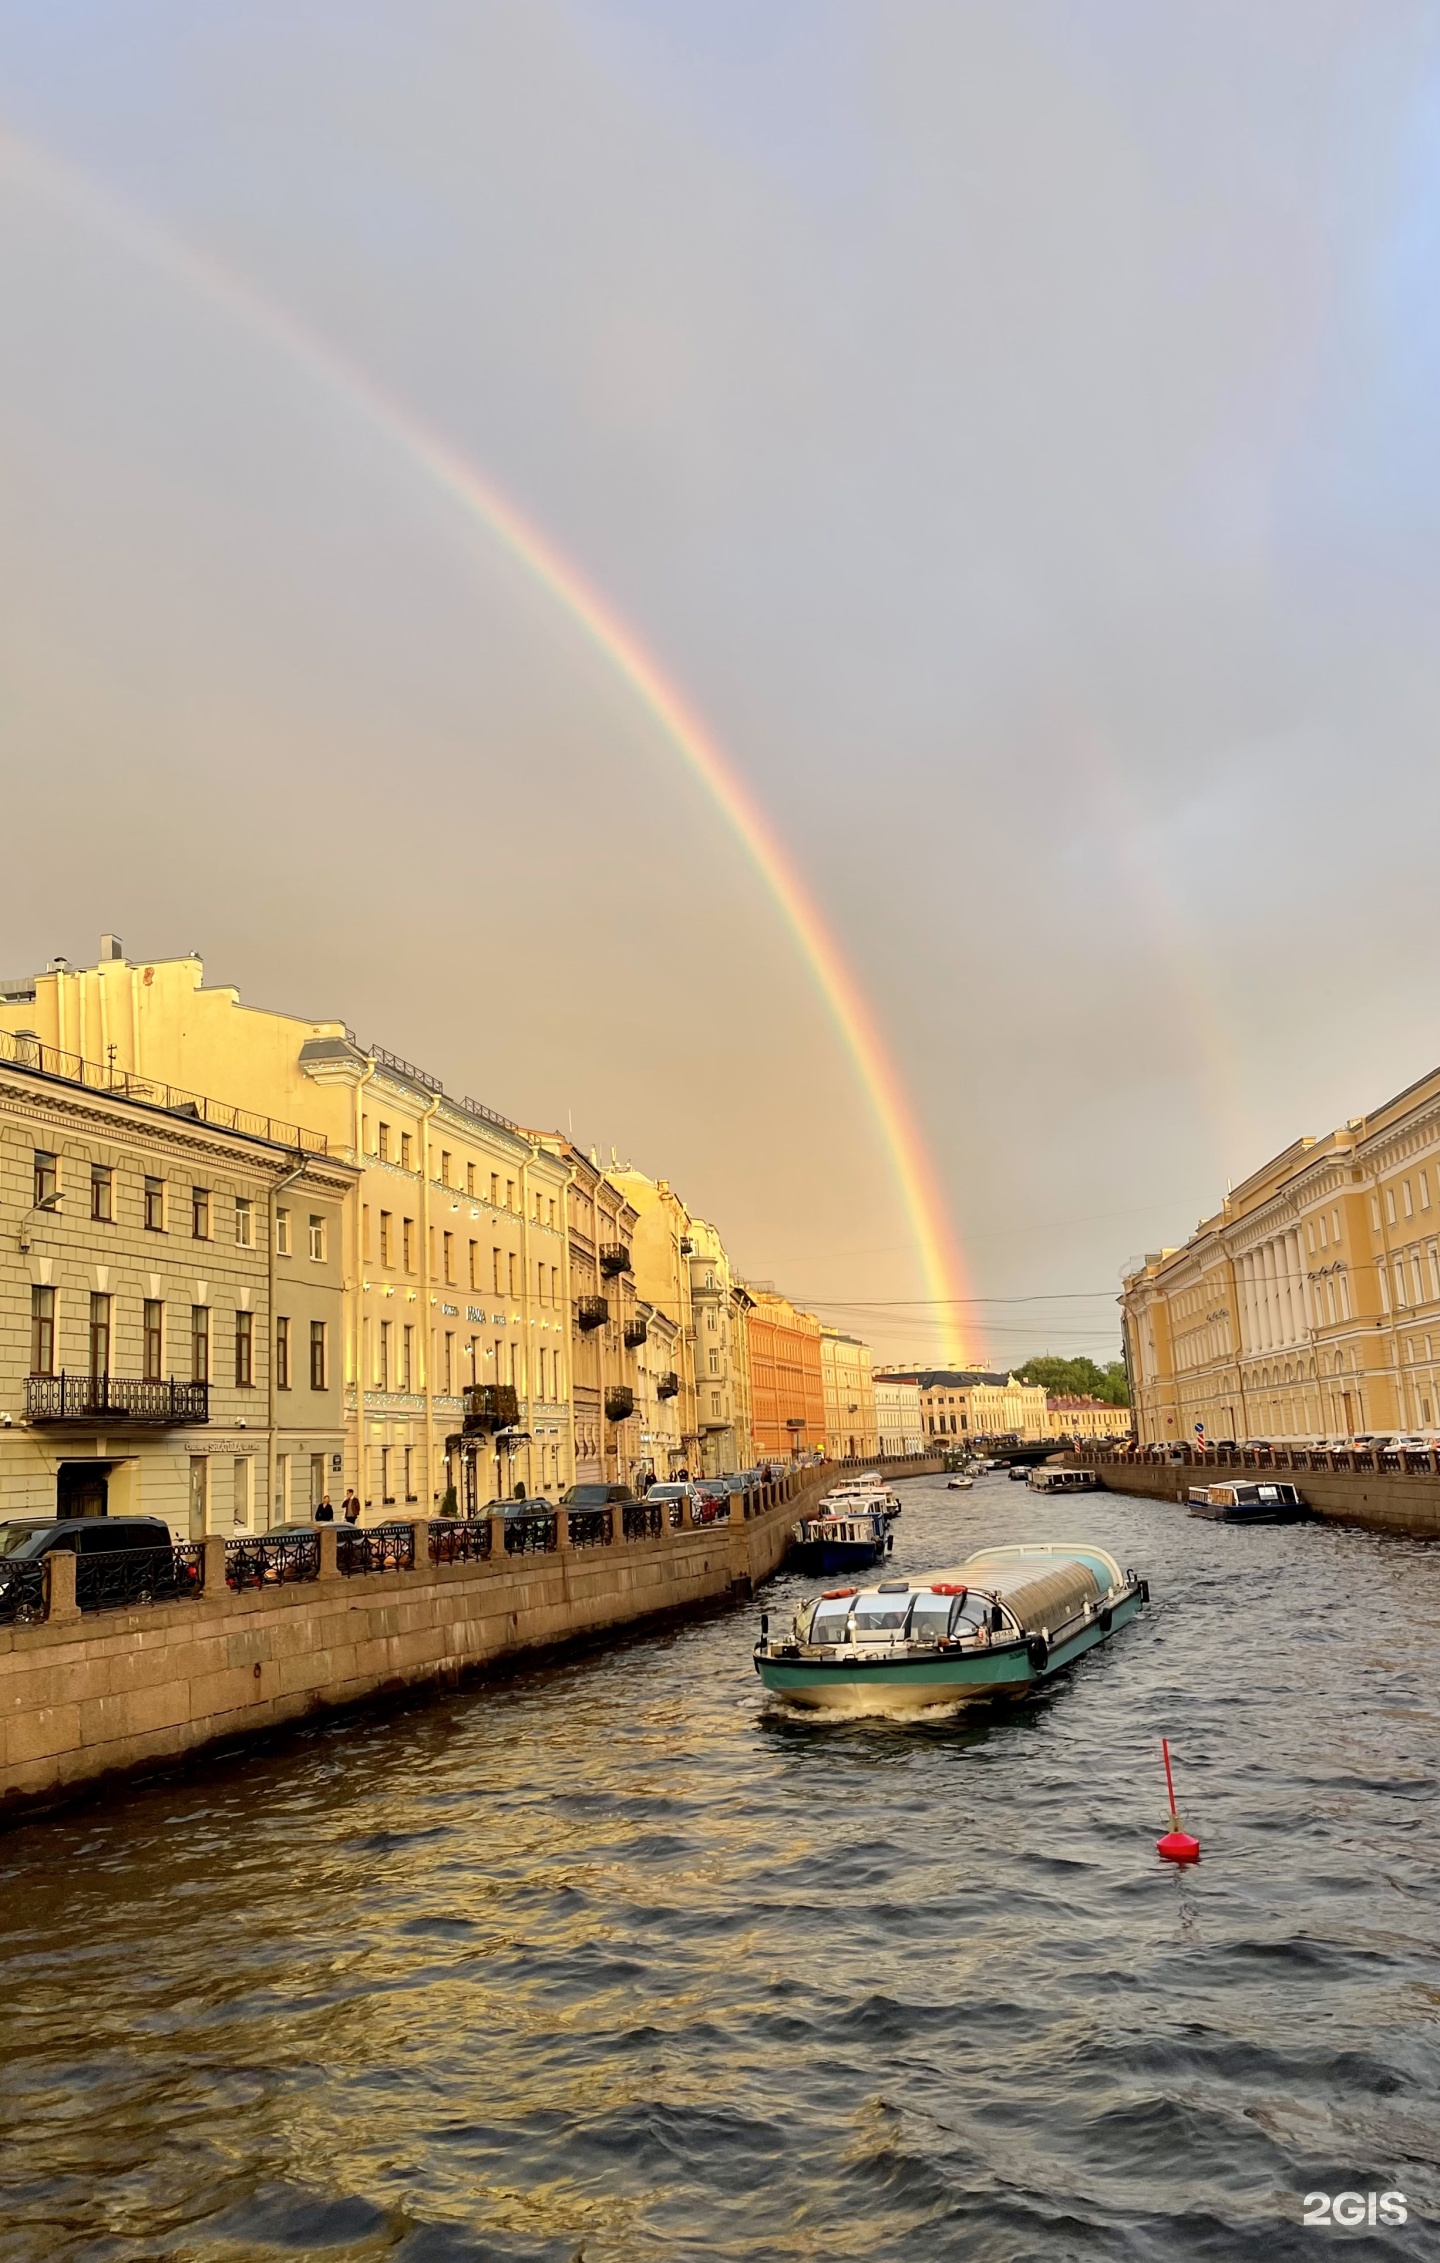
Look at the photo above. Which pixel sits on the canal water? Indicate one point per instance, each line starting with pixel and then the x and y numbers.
pixel 615 1961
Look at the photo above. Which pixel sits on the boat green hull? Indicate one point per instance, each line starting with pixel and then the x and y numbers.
pixel 883 1684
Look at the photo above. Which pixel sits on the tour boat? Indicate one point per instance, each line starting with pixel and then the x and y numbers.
pixel 861 1493
pixel 1249 1504
pixel 995 1626
pixel 960 1483
pixel 1049 1480
pixel 841 1538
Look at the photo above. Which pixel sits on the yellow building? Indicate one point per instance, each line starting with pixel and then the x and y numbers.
pixel 1308 1307
pixel 850 1426
pixel 719 1306
pixel 662 1245
pixel 456 1354
pixel 1076 1417
pixel 897 1415
pixel 606 1330
pixel 171 1308
pixel 957 1404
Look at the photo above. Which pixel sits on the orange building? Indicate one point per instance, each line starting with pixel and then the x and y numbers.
pixel 787 1386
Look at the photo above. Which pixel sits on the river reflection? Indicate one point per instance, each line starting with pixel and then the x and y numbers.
pixel 613 1959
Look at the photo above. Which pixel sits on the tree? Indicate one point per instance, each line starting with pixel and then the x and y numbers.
pixel 1077 1378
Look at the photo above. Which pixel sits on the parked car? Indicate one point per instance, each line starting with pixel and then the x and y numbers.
pixel 121 1558
pixel 594 1496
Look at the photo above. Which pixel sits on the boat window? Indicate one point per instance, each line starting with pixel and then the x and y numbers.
pixel 831 1620
pixel 930 1618
pixel 880 1614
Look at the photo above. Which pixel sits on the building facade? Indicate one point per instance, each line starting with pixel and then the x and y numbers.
pixel 1308 1307
pixel 787 1382
pixel 171 1302
pixel 662 1446
pixel 455 1354
pixel 897 1415
pixel 1076 1417
pixel 718 1318
pixel 957 1404
pixel 606 1330
pixel 849 1387
pixel 662 1246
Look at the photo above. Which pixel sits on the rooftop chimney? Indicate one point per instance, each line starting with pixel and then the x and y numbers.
pixel 111 947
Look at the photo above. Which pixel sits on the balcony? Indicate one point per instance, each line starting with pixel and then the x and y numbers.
pixel 687 1246
pixel 635 1333
pixel 591 1312
pixel 490 1406
pixel 667 1386
pixel 619 1402
pixel 614 1260
pixel 119 1401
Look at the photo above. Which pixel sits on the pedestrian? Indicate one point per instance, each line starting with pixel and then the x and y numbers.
pixel 350 1506
pixel 324 1513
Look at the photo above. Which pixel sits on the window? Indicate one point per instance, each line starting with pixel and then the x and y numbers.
pixel 407 1244
pixel 42 1331
pixel 410 1473
pixel 448 1385
pixel 386 1222
pixel 244 1350
pixel 552 1214
pixel 449 1243
pixel 199 1343
pixel 714 1402
pixel 365 1230
pixel 509 1194
pixel 406 1147
pixel 1424 1190
pixel 102 1192
pixel 474 1265
pixel 714 1363
pixel 240 1492
pixel 99 1335
pixel 154 1346
pixel 382 1371
pixel 495 1256
pixel 407 1358
pixel 200 1214
pixel 282 1233
pixel 282 1353
pixel 1322 1229
pixel 387 1490
pixel 384 1143
pixel 1408 1199
pixel 510 1270
pixel 154 1206
pixel 319 1356
pixel 317 1238
pixel 494 1190
pixel 540 1283
pixel 244 1222
pixel 537 1209
pixel 469 1178
pixel 1335 1223
pixel 1390 1204
pixel 554 1284
pixel 364 1135
pixel 47 1177
pixel 444 1166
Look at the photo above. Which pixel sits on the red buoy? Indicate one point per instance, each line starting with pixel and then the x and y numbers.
pixel 1177 1845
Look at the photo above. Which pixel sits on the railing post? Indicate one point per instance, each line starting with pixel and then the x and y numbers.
pixel 421 1529
pixel 214 1577
pixel 61 1608
pixel 325 1540
pixel 497 1539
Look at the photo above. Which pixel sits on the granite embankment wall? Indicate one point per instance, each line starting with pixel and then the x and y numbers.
pixel 88 1696
pixel 1383 1501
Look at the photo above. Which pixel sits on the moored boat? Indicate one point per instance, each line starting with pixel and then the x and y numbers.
pixel 840 1540
pixel 862 1493
pixel 995 1626
pixel 1047 1480
pixel 1258 1503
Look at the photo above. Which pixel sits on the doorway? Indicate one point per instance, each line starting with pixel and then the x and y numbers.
pixel 82 1489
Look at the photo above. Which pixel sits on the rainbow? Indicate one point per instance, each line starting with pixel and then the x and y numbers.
pixel 478 499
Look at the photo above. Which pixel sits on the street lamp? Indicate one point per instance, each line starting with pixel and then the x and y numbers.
pixel 46 1207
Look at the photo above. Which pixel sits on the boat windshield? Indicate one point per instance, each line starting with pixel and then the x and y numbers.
pixel 880 1614
pixel 830 1620
pixel 930 1617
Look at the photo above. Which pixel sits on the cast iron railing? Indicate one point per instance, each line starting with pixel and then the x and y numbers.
pixel 591 1528
pixel 114 1398
pixel 376 1548
pixel 635 1332
pixel 591 1312
pixel 619 1402
pixel 272 1560
pixel 531 1536
pixel 24 1593
pixel 614 1260
pixel 490 1406
pixel 456 1543
pixel 71 1068
pixel 111 1578
pixel 642 1520
pixel 667 1386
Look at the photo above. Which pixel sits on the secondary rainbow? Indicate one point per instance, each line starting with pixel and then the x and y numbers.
pixel 476 495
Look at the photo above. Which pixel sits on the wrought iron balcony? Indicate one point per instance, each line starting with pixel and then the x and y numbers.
pixel 635 1332
pixel 591 1312
pixel 119 1400
pixel 687 1246
pixel 614 1259
pixel 667 1386
pixel 490 1406
pixel 619 1402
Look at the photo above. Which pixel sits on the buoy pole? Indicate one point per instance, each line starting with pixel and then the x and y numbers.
pixel 1177 1845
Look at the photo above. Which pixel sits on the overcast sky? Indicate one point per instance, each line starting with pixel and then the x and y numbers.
pixel 1012 424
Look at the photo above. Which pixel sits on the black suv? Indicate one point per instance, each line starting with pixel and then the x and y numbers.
pixel 595 1496
pixel 122 1559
